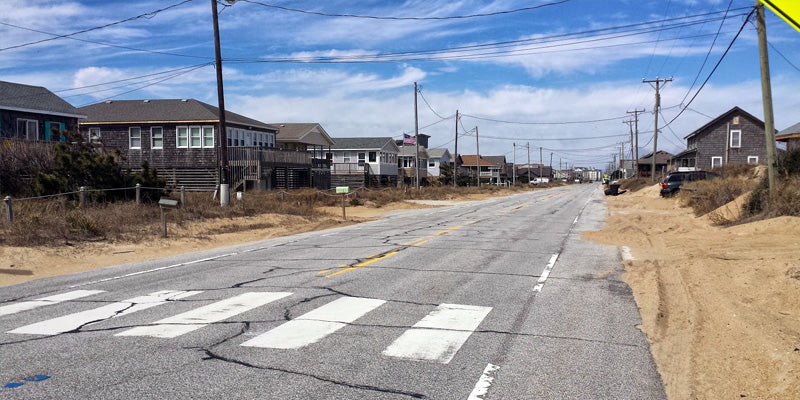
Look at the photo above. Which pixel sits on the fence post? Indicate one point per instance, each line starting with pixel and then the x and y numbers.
pixel 344 214
pixel 82 196
pixel 138 193
pixel 183 196
pixel 283 195
pixel 9 210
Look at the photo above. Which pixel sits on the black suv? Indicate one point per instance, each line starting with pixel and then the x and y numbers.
pixel 673 181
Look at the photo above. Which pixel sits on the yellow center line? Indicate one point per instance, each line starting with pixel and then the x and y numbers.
pixel 446 230
pixel 362 264
pixel 324 271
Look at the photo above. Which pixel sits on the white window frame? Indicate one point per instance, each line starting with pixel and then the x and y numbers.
pixel 132 138
pixel 27 131
pixel 156 136
pixel 94 135
pixel 738 135
pixel 185 135
pixel 712 162
pixel 207 133
pixel 192 137
pixel 361 157
pixel 346 157
pixel 753 158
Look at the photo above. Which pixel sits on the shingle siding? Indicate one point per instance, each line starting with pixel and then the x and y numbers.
pixel 713 141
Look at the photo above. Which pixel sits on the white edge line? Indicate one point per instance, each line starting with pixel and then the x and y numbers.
pixel 483 384
pixel 152 270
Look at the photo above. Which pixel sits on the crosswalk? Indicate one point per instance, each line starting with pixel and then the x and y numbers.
pixel 437 337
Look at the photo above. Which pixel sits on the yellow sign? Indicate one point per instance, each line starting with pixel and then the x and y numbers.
pixel 789 10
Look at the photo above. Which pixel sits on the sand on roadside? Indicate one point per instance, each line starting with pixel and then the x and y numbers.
pixel 720 305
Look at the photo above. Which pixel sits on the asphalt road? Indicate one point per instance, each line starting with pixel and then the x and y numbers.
pixel 498 299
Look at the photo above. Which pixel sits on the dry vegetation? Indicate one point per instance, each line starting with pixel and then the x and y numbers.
pixel 59 221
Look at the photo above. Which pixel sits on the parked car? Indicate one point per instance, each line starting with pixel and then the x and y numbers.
pixel 673 181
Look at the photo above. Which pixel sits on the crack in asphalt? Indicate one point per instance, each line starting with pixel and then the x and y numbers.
pixel 210 355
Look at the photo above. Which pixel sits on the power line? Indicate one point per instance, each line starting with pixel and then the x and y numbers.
pixel 148 85
pixel 323 14
pixel 544 123
pixel 146 15
pixel 552 139
pixel 783 56
pixel 710 74
pixel 57 36
pixel 707 54
pixel 419 90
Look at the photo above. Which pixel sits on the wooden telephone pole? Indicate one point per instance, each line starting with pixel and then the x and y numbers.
pixel 636 113
pixel 455 156
pixel 416 139
pixel 766 95
pixel 658 83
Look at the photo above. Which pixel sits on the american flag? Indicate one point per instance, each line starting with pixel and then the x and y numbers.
pixel 408 139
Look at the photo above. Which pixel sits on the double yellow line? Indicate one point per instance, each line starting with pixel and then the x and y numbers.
pixel 377 257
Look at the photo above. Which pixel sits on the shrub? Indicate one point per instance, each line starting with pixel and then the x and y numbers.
pixel 708 195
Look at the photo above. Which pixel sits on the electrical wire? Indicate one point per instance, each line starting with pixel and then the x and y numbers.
pixel 146 15
pixel 710 74
pixel 57 36
pixel 419 90
pixel 696 77
pixel 544 123
pixel 148 85
pixel 322 14
pixel 783 56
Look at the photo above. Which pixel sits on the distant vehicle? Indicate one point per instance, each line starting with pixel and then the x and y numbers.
pixel 536 181
pixel 673 181
pixel 577 181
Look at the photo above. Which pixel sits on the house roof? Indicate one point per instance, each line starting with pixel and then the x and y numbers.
pixel 438 152
pixel 163 110
pixel 723 116
pixel 35 99
pixel 496 160
pixel 792 132
pixel 470 159
pixel 365 143
pixel 662 157
pixel 411 150
pixel 311 133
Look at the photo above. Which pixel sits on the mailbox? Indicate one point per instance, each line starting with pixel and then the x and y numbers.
pixel 168 203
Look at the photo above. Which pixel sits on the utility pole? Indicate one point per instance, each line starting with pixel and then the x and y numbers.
pixel 658 83
pixel 528 145
pixel 766 95
pixel 416 139
pixel 635 113
pixel 478 159
pixel 630 130
pixel 455 156
pixel 224 192
pixel 541 162
pixel 514 168
pixel 551 162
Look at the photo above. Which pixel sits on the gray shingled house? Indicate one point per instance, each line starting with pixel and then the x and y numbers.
pixel 311 138
pixel 735 137
pixel 179 137
pixel 36 114
pixel 364 161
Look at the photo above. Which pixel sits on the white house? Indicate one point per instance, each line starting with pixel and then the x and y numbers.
pixel 437 157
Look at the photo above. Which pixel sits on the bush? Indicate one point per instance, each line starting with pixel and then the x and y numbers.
pixel 708 195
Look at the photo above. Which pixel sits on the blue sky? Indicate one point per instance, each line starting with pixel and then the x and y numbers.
pixel 567 61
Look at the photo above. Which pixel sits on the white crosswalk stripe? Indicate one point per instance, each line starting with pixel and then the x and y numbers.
pixel 195 319
pixel 315 325
pixel 46 301
pixel 74 321
pixel 439 335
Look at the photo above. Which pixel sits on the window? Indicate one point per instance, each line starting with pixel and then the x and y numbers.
pixel 736 138
pixel 55 130
pixel 361 158
pixel 736 120
pixel 135 137
pixel 716 162
pixel 431 164
pixel 752 159
pixel 182 137
pixel 157 137
pixel 27 128
pixel 346 157
pixel 372 156
pixel 94 135
pixel 208 136
pixel 194 137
